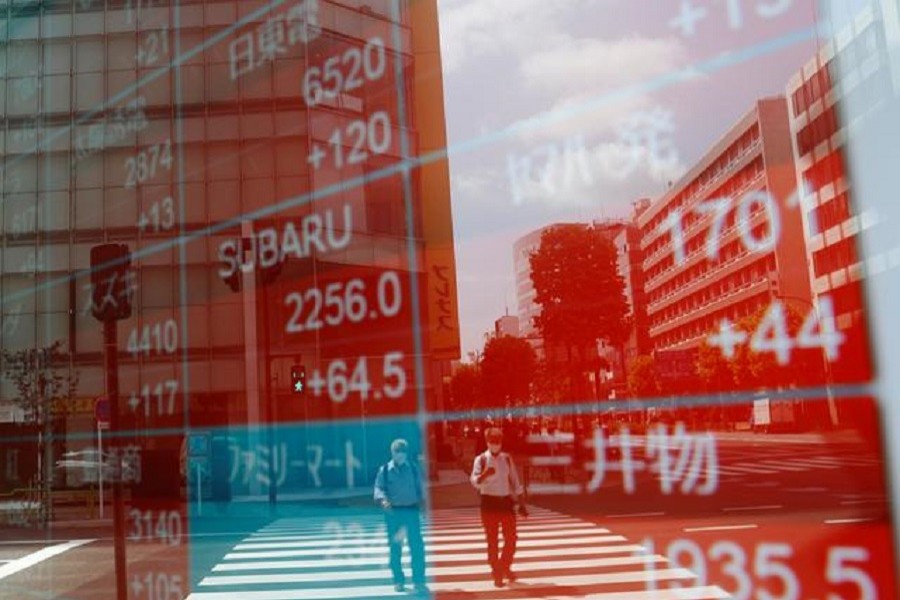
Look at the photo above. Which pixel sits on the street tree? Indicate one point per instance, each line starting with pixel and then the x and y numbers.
pixel 507 371
pixel 752 369
pixel 642 378
pixel 551 383
pixel 466 388
pixel 713 370
pixel 577 284
pixel 44 384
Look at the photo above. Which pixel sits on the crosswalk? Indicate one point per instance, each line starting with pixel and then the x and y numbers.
pixel 345 556
pixel 799 464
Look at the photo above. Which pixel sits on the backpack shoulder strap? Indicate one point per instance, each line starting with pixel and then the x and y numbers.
pixel 417 480
pixel 482 462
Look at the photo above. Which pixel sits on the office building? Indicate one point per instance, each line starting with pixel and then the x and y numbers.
pixel 833 96
pixel 506 326
pixel 724 241
pixel 630 259
pixel 202 136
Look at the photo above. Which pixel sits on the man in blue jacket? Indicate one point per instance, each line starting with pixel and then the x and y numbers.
pixel 399 492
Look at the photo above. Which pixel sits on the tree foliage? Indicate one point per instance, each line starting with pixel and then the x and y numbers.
pixel 42 381
pixel 748 369
pixel 551 383
pixel 41 378
pixel 642 377
pixel 466 388
pixel 713 370
pixel 578 287
pixel 507 370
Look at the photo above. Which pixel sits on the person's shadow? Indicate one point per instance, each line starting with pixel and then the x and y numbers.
pixel 516 590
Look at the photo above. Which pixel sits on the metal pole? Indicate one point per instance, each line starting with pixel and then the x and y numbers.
pixel 112 394
pixel 100 463
pixel 267 391
pixel 199 491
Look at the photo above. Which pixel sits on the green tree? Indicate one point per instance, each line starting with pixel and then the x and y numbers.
pixel 507 371
pixel 642 379
pixel 577 284
pixel 466 388
pixel 713 369
pixel 44 384
pixel 749 369
pixel 550 383
pixel 754 370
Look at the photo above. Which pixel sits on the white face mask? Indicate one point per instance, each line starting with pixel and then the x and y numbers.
pixel 399 458
pixel 494 448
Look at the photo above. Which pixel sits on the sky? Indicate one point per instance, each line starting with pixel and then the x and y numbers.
pixel 609 100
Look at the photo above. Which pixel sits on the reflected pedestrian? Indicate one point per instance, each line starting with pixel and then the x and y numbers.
pixel 399 492
pixel 494 476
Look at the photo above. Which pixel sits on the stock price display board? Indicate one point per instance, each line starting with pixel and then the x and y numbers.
pixel 259 163
pixel 249 351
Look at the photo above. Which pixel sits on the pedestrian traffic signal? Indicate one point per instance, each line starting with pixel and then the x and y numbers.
pixel 242 254
pixel 112 282
pixel 298 380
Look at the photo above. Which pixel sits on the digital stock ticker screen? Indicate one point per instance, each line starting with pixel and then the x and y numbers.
pixel 502 299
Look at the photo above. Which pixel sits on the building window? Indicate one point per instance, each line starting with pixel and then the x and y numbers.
pixel 12 465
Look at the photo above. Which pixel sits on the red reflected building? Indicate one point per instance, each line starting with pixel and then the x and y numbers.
pixel 630 259
pixel 209 167
pixel 833 224
pixel 725 240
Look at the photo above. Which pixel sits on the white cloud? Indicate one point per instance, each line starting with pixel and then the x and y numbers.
pixel 528 45
pixel 607 177
pixel 573 65
pixel 593 84
pixel 474 29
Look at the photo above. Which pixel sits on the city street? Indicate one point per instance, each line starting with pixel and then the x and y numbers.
pixel 345 557
pixel 838 476
pixel 799 516
pixel 26 557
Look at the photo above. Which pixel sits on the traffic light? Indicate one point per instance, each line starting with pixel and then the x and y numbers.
pixel 231 256
pixel 243 252
pixel 298 380
pixel 269 273
pixel 112 282
pixel 233 281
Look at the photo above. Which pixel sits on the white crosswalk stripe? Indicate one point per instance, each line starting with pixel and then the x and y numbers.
pixel 558 556
pixel 795 464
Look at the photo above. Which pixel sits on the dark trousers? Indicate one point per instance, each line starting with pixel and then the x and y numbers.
pixel 398 519
pixel 497 512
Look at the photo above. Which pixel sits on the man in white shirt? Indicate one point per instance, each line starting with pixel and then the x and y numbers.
pixel 494 476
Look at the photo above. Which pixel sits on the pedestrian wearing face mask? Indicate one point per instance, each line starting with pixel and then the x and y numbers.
pixel 494 476
pixel 399 492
